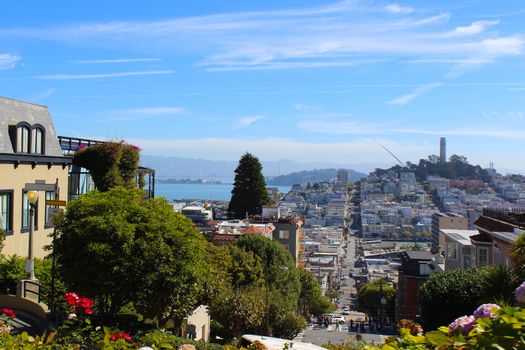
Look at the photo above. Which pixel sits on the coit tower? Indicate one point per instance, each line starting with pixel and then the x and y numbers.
pixel 442 150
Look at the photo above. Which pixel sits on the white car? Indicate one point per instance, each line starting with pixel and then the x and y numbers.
pixel 338 319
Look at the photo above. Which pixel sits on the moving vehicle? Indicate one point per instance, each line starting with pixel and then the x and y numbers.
pixel 277 343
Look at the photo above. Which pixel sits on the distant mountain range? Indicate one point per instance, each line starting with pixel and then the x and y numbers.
pixel 312 176
pixel 179 167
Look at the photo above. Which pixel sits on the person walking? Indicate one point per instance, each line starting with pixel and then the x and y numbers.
pixel 337 326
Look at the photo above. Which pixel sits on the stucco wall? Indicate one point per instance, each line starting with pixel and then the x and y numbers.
pixel 14 178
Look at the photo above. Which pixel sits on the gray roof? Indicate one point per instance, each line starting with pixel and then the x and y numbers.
pixel 13 112
pixel 418 255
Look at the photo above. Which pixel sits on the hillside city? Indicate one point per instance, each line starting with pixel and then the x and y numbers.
pixel 262 175
pixel 360 253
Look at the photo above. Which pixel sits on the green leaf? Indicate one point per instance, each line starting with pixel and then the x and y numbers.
pixel 437 338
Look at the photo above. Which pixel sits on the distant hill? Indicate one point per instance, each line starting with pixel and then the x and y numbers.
pixel 457 167
pixel 179 167
pixel 312 176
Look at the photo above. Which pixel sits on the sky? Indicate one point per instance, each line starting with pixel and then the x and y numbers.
pixel 304 80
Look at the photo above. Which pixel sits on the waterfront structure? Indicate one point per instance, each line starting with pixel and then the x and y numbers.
pixel 30 159
pixel 442 150
pixel 445 221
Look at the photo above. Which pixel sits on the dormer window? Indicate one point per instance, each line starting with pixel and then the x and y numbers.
pixel 29 139
pixel 37 140
pixel 22 138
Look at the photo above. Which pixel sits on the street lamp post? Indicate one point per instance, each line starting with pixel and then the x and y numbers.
pixel 32 197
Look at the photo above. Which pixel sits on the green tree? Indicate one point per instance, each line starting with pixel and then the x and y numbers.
pixel 311 300
pixel 2 239
pixel 281 280
pixel 369 297
pixel 118 248
pixel 249 191
pixel 450 294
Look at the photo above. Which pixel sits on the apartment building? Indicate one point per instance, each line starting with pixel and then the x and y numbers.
pixel 30 159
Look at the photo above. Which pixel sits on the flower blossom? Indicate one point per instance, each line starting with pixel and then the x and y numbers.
pixel 463 323
pixel 71 298
pixel 520 293
pixel 486 311
pixel 10 313
pixel 122 335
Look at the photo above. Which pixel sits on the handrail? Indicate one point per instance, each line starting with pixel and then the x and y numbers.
pixel 44 294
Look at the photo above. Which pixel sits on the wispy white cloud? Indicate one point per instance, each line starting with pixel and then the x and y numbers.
pixel 340 34
pixel 247 121
pixel 474 28
pixel 42 95
pixel 117 60
pixel 8 61
pixel 398 9
pixel 140 113
pixel 103 75
pixel 404 99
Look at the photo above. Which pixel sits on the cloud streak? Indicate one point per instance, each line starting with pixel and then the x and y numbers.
pixel 8 61
pixel 117 60
pixel 103 75
pixel 247 121
pixel 340 34
pixel 404 99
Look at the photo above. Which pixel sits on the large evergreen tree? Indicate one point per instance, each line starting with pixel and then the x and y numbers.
pixel 249 192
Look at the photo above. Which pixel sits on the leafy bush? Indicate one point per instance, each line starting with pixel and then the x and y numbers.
pixel 111 164
pixel 447 295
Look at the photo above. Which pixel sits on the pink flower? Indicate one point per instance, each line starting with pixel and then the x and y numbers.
pixel 520 293
pixel 463 323
pixel 486 311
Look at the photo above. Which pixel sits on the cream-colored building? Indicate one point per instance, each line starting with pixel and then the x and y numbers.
pixel 29 154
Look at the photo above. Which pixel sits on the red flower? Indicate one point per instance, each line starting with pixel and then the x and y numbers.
pixel 71 298
pixel 8 312
pixel 85 303
pixel 88 311
pixel 117 336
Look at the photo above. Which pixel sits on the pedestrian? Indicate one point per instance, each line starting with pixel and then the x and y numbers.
pixel 337 326
pixel 351 323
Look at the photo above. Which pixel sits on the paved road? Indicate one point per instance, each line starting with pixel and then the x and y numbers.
pixel 319 336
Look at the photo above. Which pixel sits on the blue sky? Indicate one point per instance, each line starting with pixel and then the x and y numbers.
pixel 303 80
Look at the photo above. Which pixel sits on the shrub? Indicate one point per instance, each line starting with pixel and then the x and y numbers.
pixel 111 164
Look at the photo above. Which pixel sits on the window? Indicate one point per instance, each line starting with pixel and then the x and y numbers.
pixel 6 211
pixel 26 212
pixel 37 140
pixel 424 269
pixel 22 139
pixel 49 196
pixel 284 234
pixel 452 251
pixel 483 257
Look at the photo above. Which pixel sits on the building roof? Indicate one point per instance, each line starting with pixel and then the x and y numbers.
pixel 13 112
pixel 460 236
pixel 418 255
pixel 492 224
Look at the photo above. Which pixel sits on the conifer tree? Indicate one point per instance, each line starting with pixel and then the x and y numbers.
pixel 249 192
